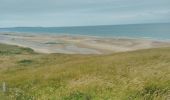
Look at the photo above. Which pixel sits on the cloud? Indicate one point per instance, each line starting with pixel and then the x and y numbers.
pixel 82 12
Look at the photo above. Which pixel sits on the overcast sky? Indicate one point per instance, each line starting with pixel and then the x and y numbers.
pixel 82 12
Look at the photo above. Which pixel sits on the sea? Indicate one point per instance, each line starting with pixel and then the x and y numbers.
pixel 154 31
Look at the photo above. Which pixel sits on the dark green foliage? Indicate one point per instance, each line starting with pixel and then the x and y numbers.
pixel 25 62
pixel 13 50
pixel 78 96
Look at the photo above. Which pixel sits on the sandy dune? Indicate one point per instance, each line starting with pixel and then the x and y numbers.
pixel 78 44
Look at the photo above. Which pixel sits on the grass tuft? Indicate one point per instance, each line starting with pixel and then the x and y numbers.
pixel 25 62
pixel 78 96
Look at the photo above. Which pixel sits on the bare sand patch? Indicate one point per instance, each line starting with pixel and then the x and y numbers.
pixel 78 44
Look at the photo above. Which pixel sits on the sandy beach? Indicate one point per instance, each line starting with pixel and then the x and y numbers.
pixel 78 44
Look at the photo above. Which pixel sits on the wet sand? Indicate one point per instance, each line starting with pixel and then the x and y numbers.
pixel 78 44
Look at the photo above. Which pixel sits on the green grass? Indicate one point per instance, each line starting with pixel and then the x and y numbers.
pixel 8 50
pixel 137 75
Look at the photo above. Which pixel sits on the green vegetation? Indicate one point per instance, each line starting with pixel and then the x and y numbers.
pixel 25 62
pixel 137 75
pixel 8 50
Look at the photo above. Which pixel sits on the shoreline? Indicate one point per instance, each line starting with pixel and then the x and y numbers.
pixel 80 35
pixel 78 44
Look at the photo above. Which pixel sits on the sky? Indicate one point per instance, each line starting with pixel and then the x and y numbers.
pixel 56 13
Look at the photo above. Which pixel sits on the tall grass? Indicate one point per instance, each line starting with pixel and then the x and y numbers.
pixel 137 75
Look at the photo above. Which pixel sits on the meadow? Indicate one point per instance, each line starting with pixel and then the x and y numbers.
pixel 135 75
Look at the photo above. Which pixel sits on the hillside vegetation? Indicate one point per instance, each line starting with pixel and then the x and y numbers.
pixel 136 75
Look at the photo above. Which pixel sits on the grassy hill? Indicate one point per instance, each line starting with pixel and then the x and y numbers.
pixel 137 75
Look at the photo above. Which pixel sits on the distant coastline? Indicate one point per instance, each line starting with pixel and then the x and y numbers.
pixel 155 31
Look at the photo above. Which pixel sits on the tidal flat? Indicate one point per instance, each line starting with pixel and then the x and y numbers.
pixel 78 44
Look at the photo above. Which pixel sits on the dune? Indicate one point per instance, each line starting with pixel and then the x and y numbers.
pixel 79 44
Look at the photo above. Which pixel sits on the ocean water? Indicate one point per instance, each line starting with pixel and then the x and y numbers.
pixel 156 31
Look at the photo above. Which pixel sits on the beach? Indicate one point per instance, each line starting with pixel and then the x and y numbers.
pixel 78 44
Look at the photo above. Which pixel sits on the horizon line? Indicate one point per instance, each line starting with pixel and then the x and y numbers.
pixel 83 25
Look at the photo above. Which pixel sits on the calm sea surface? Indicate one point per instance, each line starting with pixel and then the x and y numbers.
pixel 149 31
